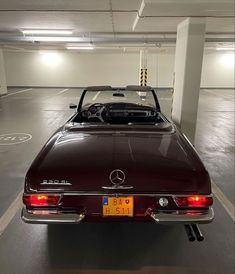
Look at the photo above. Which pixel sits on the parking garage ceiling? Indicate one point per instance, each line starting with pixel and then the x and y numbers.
pixel 111 24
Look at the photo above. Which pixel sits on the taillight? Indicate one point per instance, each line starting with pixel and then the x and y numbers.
pixel 41 200
pixel 194 201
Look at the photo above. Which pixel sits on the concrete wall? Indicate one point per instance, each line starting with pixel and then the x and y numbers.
pixel 218 70
pixel 116 69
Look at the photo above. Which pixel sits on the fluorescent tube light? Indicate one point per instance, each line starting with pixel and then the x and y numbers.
pixel 220 48
pixel 53 39
pixel 52 32
pixel 80 48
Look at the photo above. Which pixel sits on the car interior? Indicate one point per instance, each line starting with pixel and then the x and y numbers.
pixel 119 106
pixel 118 113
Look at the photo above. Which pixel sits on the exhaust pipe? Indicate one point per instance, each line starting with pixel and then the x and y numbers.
pixel 197 232
pixel 189 233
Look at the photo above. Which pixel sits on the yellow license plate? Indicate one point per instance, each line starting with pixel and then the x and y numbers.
pixel 118 206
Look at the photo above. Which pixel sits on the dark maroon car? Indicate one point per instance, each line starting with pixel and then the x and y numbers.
pixel 118 158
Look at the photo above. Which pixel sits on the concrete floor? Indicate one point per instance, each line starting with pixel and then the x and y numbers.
pixel 112 248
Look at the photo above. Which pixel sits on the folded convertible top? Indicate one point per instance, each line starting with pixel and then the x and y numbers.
pixel 131 87
pixel 98 88
pixel 138 88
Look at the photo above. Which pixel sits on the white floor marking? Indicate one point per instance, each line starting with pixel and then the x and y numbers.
pixel 166 99
pixel 20 91
pixel 10 212
pixel 228 206
pixel 10 137
pixel 95 97
pixel 62 91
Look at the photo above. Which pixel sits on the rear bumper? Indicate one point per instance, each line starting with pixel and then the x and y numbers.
pixel 184 217
pixel 163 217
pixel 50 217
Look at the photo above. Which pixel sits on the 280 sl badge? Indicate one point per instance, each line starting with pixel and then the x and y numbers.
pixel 56 182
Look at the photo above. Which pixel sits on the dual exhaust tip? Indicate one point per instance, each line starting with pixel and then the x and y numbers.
pixel 193 232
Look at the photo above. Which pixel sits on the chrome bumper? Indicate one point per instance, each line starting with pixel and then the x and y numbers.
pixel 183 217
pixel 163 217
pixel 46 217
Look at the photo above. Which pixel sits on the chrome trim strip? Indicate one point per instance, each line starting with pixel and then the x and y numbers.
pixel 183 216
pixel 85 193
pixel 117 187
pixel 123 131
pixel 133 194
pixel 52 217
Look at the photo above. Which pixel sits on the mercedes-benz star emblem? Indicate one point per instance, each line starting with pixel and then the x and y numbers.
pixel 117 177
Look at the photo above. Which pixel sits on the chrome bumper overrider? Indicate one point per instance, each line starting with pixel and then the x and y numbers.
pixel 163 217
pixel 183 216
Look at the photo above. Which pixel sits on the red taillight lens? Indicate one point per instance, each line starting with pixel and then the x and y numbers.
pixel 41 199
pixel 194 201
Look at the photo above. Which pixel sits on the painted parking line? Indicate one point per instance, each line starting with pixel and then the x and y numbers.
pixel 17 92
pixel 10 212
pixel 228 206
pixel 164 99
pixel 63 90
pixel 95 97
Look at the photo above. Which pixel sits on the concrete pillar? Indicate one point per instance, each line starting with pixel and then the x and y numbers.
pixel 3 82
pixel 143 67
pixel 188 66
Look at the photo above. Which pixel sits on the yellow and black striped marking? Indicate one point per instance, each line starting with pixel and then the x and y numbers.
pixel 143 77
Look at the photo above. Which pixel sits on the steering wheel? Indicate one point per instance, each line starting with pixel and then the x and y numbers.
pixel 95 111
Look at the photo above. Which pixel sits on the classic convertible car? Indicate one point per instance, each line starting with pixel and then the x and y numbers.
pixel 118 158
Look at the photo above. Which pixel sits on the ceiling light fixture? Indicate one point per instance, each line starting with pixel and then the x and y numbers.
pixel 53 39
pixel 80 48
pixel 46 31
pixel 223 48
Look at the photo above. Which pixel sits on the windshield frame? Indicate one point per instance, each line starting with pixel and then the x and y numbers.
pixel 80 105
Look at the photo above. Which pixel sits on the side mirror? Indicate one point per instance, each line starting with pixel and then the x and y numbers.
pixel 72 106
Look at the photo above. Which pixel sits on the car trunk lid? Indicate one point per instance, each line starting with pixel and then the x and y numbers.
pixel 156 161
